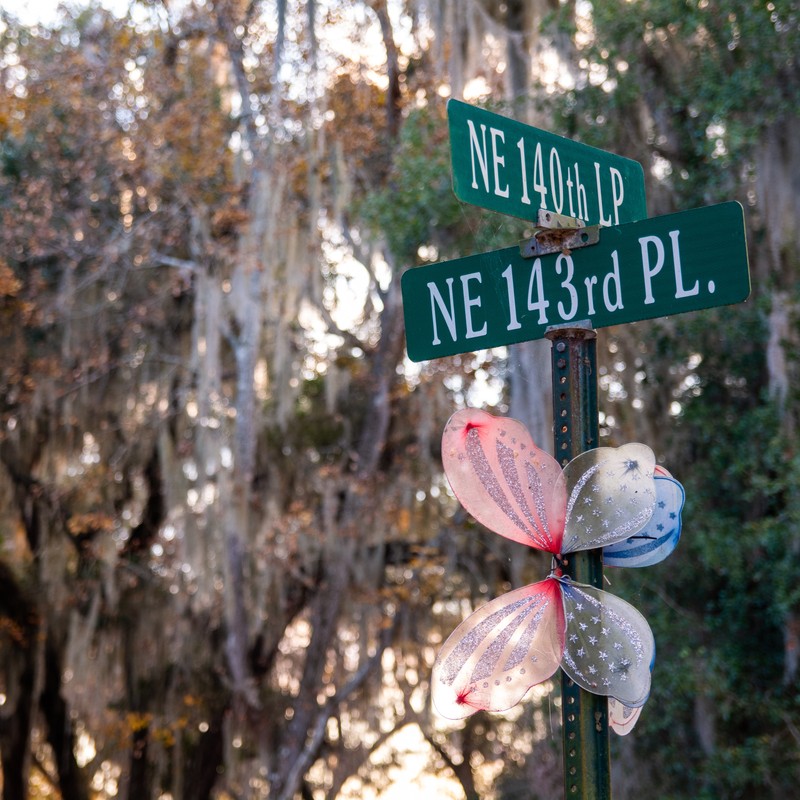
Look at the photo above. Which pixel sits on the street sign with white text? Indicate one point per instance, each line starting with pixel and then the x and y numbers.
pixel 653 268
pixel 507 166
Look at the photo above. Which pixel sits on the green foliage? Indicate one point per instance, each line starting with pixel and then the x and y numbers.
pixel 700 81
pixel 717 726
pixel 417 207
pixel 417 198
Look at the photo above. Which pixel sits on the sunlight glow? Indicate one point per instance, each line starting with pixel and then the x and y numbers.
pixel 476 89
pixel 408 776
pixel 85 749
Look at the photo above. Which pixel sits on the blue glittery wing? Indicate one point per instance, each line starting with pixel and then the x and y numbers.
pixel 660 535
pixel 609 648
pixel 492 658
pixel 610 496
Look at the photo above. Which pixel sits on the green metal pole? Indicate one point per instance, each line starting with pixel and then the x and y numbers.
pixel 587 764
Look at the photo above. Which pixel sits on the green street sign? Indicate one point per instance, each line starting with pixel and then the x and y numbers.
pixel 516 169
pixel 653 268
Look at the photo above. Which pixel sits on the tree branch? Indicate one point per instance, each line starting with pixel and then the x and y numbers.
pixel 392 67
pixel 163 260
pixel 314 742
pixel 226 28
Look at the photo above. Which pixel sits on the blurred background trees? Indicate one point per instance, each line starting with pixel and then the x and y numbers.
pixel 227 551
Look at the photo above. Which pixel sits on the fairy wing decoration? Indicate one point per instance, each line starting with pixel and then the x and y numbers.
pixel 621 718
pixel 611 496
pixel 656 540
pixel 504 480
pixel 519 491
pixel 610 647
pixel 491 660
pixel 603 498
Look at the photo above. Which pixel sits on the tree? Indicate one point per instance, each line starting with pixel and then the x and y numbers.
pixel 675 82
pixel 229 554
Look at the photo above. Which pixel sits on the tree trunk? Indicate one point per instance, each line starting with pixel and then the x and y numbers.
pixel 138 766
pixel 201 768
pixel 15 728
pixel 72 781
pixel 530 389
pixel 14 739
pixel 517 51
pixel 23 613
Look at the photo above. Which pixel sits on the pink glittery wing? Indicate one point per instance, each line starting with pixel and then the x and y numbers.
pixel 622 718
pixel 609 648
pixel 505 481
pixel 610 495
pixel 491 660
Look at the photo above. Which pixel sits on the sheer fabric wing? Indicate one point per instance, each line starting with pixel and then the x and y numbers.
pixel 621 718
pixel 610 495
pixel 491 660
pixel 505 481
pixel 660 535
pixel 609 648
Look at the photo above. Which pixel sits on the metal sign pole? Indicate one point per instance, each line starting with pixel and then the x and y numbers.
pixel 587 763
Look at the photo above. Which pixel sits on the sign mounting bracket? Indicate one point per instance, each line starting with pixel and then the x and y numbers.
pixel 558 233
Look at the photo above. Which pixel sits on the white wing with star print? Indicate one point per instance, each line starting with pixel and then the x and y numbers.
pixel 609 648
pixel 660 535
pixel 610 496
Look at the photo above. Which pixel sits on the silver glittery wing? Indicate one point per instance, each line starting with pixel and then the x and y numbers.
pixel 491 660
pixel 609 648
pixel 610 495
pixel 621 718
pixel 659 537
pixel 505 481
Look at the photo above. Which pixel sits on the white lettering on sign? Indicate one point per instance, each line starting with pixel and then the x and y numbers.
pixel 476 151
pixel 545 291
pixel 447 308
pixel 612 280
pixel 617 193
pixel 542 303
pixel 523 172
pixel 581 208
pixel 676 262
pixel 535 284
pixel 469 302
pixel 545 174
pixel 480 158
pixel 650 270
pixel 568 303
pixel 538 176
pixel 556 186
pixel 590 282
pixel 498 161
pixel 513 322
pixel 567 262
pixel 448 312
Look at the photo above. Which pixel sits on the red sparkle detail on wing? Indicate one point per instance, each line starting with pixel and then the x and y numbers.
pixel 463 695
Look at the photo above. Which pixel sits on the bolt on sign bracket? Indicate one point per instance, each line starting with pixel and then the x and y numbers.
pixel 557 233
pixel 557 240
